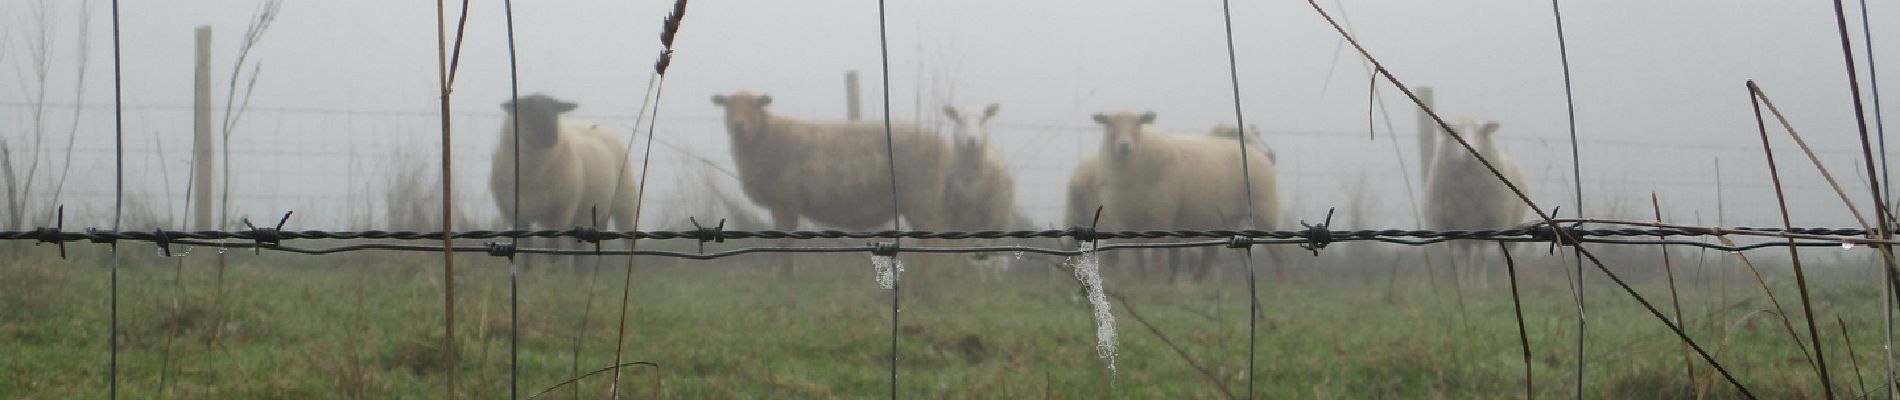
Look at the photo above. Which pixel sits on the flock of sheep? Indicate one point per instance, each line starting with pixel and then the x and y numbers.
pixel 824 172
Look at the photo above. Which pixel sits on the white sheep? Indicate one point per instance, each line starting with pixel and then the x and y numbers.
pixel 568 168
pixel 1460 194
pixel 1085 183
pixel 1084 187
pixel 837 174
pixel 979 193
pixel 1154 180
pixel 1254 139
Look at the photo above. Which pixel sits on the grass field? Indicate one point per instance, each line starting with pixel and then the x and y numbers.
pixel 1359 321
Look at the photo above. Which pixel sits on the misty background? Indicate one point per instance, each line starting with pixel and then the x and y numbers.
pixel 346 96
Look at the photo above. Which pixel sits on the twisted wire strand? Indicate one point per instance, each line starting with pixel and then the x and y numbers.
pixel 273 239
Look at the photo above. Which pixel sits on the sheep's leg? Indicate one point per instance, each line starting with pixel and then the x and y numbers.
pixel 1175 259
pixel 1279 261
pixel 785 220
pixel 997 264
pixel 1483 268
pixel 1110 258
pixel 1155 262
pixel 1478 269
pixel 1461 272
pixel 1473 266
pixel 1206 263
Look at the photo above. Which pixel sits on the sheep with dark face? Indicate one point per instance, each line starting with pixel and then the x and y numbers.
pixel 567 168
pixel 1154 180
pixel 837 174
pixel 979 193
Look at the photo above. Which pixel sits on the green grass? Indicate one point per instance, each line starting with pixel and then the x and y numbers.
pixel 1360 321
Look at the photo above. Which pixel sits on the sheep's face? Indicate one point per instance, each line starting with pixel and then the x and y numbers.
pixel 1123 131
pixel 1487 131
pixel 971 134
pixel 745 112
pixel 1479 132
pixel 539 117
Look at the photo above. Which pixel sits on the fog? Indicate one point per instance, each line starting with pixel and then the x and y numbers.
pixel 346 95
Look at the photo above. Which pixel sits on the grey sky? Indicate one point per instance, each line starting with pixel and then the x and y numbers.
pixel 1656 83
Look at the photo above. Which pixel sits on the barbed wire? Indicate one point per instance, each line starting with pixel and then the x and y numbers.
pixel 1315 238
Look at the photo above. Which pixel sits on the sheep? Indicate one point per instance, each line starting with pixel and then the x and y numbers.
pixel 1226 130
pixel 1085 183
pixel 1084 186
pixel 836 174
pixel 1460 194
pixel 978 189
pixel 1154 180
pixel 568 168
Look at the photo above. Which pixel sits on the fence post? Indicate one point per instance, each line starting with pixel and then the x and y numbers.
pixel 851 95
pixel 201 160
pixel 1427 135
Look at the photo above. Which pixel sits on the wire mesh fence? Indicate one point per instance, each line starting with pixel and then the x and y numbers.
pixel 262 171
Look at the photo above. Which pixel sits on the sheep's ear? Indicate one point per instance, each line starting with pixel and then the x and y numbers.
pixel 765 101
pixel 990 112
pixel 1101 119
pixel 1148 117
pixel 1489 128
pixel 950 111
pixel 719 100
pixel 562 106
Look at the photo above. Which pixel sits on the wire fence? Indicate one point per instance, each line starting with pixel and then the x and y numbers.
pixel 1317 169
pixel 1085 241
pixel 1315 238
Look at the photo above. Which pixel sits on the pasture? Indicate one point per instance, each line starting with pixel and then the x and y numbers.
pixel 1358 321
pixel 1111 99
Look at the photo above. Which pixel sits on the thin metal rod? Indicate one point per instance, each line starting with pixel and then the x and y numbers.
pixel 118 198
pixel 1517 305
pixel 1755 97
pixel 1576 176
pixel 1240 120
pixel 1558 234
pixel 514 272
pixel 446 77
pixel 897 206
pixel 1212 377
pixel 1880 129
pixel 1675 299
pixel 574 369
